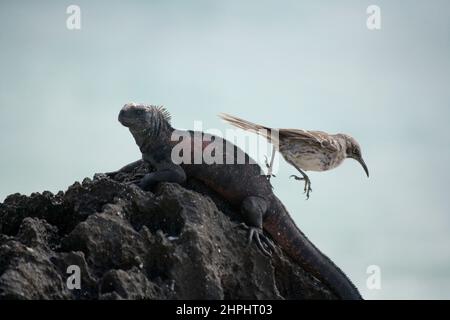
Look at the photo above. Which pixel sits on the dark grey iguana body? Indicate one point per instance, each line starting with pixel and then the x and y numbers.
pixel 242 185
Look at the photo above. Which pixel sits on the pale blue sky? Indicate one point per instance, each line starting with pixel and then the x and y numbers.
pixel 299 64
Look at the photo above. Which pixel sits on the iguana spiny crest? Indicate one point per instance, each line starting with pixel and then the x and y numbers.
pixel 148 120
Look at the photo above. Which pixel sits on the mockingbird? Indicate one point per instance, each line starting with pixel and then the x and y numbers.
pixel 305 150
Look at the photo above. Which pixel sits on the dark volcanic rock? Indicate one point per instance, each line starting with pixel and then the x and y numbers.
pixel 173 243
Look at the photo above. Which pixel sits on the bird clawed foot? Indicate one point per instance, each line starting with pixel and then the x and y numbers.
pixel 269 172
pixel 264 243
pixel 307 189
pixel 268 176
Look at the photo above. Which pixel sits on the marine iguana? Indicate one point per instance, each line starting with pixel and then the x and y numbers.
pixel 241 184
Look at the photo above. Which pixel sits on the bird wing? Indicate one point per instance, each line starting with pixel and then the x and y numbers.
pixel 320 138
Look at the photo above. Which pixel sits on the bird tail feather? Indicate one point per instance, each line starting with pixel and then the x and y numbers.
pixel 266 132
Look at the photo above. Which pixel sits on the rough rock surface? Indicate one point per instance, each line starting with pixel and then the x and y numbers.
pixel 173 243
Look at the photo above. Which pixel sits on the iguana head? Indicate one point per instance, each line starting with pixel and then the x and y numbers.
pixel 143 118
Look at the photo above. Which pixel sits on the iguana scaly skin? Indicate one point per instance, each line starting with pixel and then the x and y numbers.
pixel 242 185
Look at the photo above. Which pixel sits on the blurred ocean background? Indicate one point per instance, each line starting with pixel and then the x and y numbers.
pixel 297 64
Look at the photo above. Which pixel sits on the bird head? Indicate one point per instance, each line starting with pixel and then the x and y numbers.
pixel 353 150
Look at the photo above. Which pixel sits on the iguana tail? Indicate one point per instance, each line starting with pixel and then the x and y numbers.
pixel 285 232
pixel 269 133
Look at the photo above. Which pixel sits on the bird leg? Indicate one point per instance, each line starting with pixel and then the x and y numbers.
pixel 307 189
pixel 270 166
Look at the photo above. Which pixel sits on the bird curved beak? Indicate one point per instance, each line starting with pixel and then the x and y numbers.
pixel 363 164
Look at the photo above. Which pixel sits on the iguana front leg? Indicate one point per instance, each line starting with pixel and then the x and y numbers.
pixel 171 174
pixel 128 168
pixel 253 210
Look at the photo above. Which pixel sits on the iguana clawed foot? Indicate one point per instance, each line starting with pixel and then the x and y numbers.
pixel 110 174
pixel 146 182
pixel 137 181
pixel 307 188
pixel 264 243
